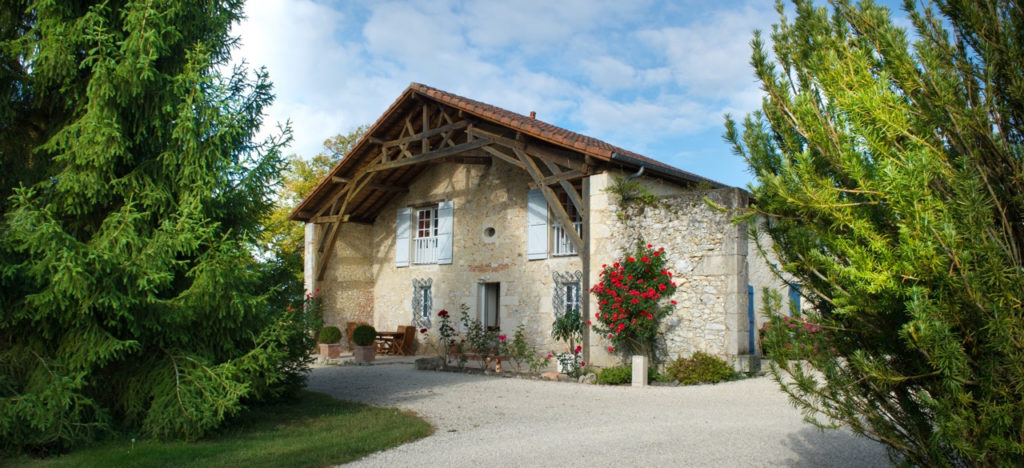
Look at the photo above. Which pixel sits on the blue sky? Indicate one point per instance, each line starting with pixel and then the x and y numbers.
pixel 654 77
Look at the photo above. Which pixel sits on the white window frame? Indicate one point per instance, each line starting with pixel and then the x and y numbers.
pixel 425 245
pixel 561 246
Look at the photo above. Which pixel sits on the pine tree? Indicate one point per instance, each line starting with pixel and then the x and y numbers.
pixel 133 191
pixel 891 179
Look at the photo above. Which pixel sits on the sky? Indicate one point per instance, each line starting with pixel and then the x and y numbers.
pixel 653 77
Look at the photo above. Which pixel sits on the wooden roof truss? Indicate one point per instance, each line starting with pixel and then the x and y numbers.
pixel 430 133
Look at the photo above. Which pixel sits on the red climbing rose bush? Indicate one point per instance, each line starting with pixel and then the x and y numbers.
pixel 633 297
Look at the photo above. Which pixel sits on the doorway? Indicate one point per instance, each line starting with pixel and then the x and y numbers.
pixel 490 313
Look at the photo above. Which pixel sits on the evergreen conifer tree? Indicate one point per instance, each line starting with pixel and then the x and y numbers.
pixel 133 188
pixel 890 176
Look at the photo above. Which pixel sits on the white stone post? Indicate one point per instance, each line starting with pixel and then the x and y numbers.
pixel 639 371
pixel 309 259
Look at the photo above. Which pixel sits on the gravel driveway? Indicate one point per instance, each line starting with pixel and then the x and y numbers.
pixel 517 422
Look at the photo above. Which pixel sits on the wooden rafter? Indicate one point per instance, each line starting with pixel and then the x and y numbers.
pixel 424 135
pixel 432 155
pixel 381 187
pixel 566 185
pixel 504 157
pixel 560 215
pixel 532 150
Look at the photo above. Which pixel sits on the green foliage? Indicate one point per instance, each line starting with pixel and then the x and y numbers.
pixel 364 335
pixel 479 340
pixel 517 350
pixel 699 368
pixel 633 298
pixel 891 182
pixel 330 335
pixel 131 197
pixel 329 431
pixel 630 192
pixel 569 327
pixel 617 375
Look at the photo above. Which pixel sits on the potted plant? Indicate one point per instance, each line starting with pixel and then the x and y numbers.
pixel 330 342
pixel 363 337
pixel 568 327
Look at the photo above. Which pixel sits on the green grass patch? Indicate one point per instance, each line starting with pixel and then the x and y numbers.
pixel 312 430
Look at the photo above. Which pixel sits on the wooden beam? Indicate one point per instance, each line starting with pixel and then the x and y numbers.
pixel 504 157
pixel 562 176
pixel 533 150
pixel 424 142
pixel 432 155
pixel 427 134
pixel 382 187
pixel 330 219
pixel 364 179
pixel 569 189
pixel 553 204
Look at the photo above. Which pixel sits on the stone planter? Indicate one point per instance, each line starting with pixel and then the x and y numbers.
pixel 363 354
pixel 330 351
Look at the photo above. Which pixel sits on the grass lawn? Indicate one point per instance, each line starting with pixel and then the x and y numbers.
pixel 314 430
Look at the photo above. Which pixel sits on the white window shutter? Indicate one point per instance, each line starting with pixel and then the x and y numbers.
pixel 402 231
pixel 445 213
pixel 536 225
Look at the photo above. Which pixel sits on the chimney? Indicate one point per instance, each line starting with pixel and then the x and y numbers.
pixel 533 114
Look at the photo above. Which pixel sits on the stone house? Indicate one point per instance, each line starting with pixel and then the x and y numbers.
pixel 447 201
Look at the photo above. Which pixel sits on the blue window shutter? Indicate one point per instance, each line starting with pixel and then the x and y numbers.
pixel 445 215
pixel 536 225
pixel 402 232
pixel 794 299
pixel 751 319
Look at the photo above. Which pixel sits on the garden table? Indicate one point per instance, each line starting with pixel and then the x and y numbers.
pixel 388 342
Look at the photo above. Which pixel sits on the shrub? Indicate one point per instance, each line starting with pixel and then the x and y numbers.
pixel 700 368
pixel 330 335
pixel 364 335
pixel 615 375
pixel 569 327
pixel 633 298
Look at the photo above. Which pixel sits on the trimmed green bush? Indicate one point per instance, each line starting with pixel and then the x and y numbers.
pixel 701 368
pixel 330 335
pixel 364 335
pixel 615 375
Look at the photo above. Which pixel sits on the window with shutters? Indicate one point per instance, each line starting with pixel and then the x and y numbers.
pixel 424 235
pixel 544 234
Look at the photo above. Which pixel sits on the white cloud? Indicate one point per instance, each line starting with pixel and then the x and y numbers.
pixel 636 74
pixel 609 74
pixel 710 57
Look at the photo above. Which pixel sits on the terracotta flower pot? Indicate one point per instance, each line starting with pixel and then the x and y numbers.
pixel 364 353
pixel 330 351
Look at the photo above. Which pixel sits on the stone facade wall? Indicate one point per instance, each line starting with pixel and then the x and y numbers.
pixel 706 252
pixel 484 196
pixel 347 290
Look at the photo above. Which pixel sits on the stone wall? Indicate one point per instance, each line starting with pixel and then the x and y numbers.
pixel 707 253
pixel 347 290
pixel 484 196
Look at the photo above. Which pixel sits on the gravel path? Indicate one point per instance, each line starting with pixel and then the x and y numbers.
pixel 517 422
